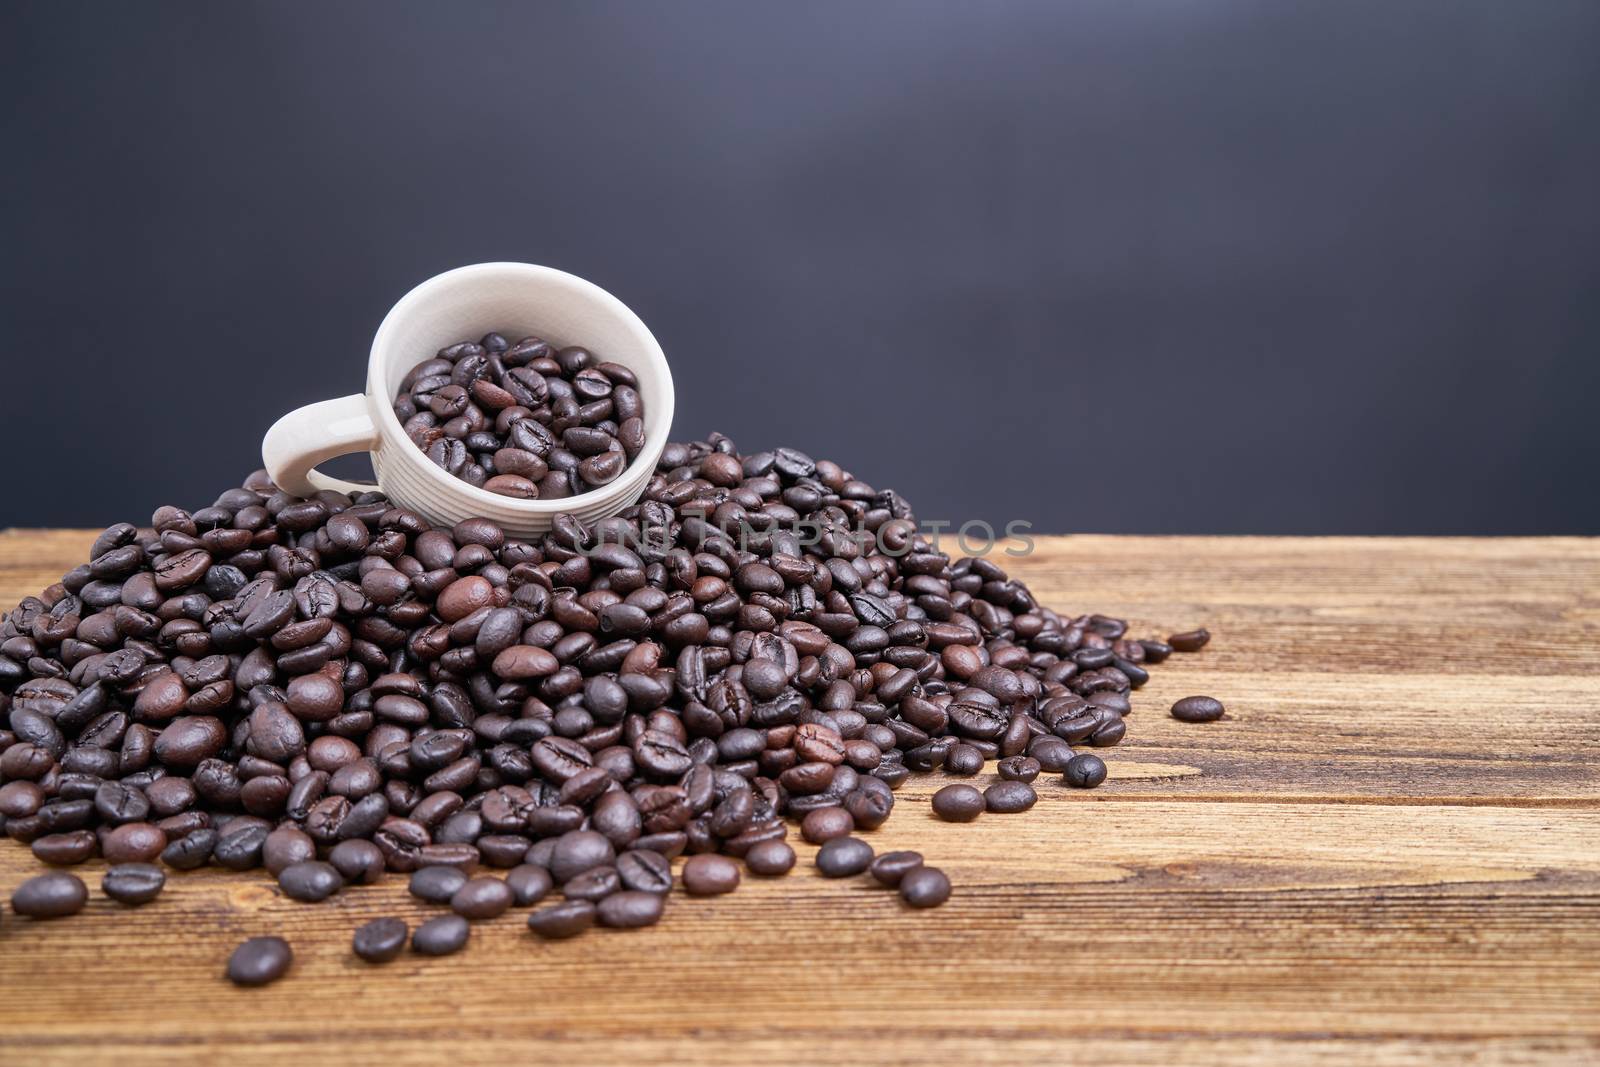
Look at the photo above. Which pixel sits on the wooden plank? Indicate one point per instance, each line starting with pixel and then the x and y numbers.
pixel 1386 853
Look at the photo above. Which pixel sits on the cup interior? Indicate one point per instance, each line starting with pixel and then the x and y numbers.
pixel 520 300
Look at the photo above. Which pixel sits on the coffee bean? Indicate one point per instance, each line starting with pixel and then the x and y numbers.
pixel 64 850
pixel 559 921
pixel 843 857
pixel 1019 768
pixel 436 884
pixel 358 861
pixel 770 858
pixel 441 936
pixel 1009 797
pixel 1085 771
pixel 50 896
pixel 710 875
pixel 1197 709
pixel 958 803
pixel 529 883
pixel 630 909
pixel 1189 640
pixel 963 760
pixel 825 824
pixel 133 883
pixel 925 887
pixel 482 898
pixel 890 868
pixel 259 960
pixel 645 871
pixel 380 940
pixel 310 881
pixel 578 851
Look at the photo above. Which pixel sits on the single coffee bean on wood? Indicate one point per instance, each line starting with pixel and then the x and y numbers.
pixel 1198 709
pixel 958 803
pixel 441 936
pixel 843 857
pixel 1009 797
pixel 889 868
pixel 380 940
pixel 50 896
pixel 925 887
pixel 133 884
pixel 710 875
pixel 259 960
pixel 1085 771
pixel 770 858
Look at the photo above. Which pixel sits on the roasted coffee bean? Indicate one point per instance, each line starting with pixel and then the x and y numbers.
pixel 1189 640
pixel 358 861
pixel 958 803
pixel 64 850
pixel 770 858
pixel 259 961
pixel 1198 709
pixel 441 936
pixel 380 940
pixel 631 909
pixel 844 856
pixel 645 871
pixel 825 824
pixel 436 884
pixel 1009 797
pixel 530 883
pixel 925 887
pixel 963 760
pixel 310 881
pixel 567 919
pixel 710 875
pixel 133 883
pixel 890 868
pixel 482 898
pixel 1019 768
pixel 1085 771
pixel 50 896
pixel 578 851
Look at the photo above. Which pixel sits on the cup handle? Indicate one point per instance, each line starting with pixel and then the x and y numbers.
pixel 317 432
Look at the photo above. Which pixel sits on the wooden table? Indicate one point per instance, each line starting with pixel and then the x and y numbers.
pixel 1388 852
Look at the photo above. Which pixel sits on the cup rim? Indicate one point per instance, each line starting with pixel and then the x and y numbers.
pixel 629 481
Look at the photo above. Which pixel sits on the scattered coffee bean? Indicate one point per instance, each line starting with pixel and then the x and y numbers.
pixel 1198 709
pixel 958 803
pixel 825 824
pixel 770 858
pixel 441 936
pixel 710 875
pixel 380 940
pixel 133 883
pixel 259 961
pixel 1019 768
pixel 843 857
pixel 925 887
pixel 436 884
pixel 567 919
pixel 1009 797
pixel 50 896
pixel 1189 641
pixel 482 898
pixel 889 868
pixel 529 884
pixel 1085 771
pixel 630 909
pixel 310 881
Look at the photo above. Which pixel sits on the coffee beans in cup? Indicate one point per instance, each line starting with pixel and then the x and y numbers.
pixel 524 420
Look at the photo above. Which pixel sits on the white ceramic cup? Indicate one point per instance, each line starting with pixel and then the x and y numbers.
pixel 519 300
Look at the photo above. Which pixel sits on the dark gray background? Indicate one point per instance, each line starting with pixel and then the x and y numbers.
pixel 1126 266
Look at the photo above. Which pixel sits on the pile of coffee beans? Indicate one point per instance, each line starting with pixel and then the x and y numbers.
pixel 524 420
pixel 331 689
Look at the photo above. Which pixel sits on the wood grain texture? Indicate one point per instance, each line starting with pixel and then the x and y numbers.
pixel 1388 852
